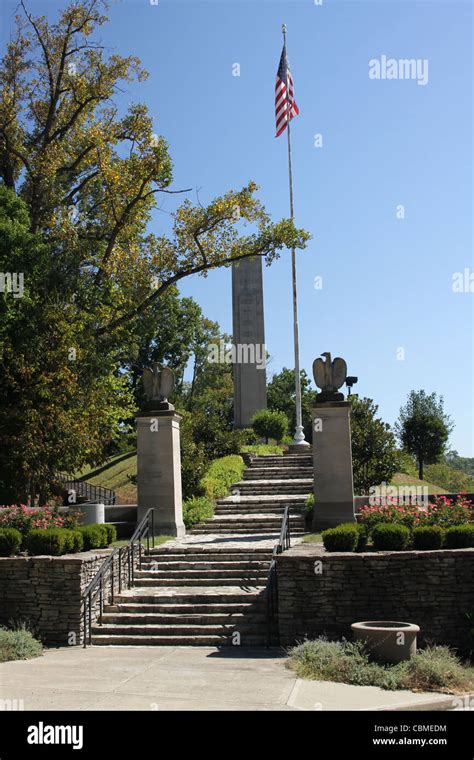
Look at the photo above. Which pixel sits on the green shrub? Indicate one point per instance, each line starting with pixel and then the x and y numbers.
pixel 428 537
pixel 432 669
pixel 77 541
pixel 339 661
pixel 10 541
pixel 342 538
pixel 363 536
pixel 222 473
pixel 196 510
pixel 111 533
pixel 93 536
pixel 18 644
pixel 435 668
pixel 52 541
pixel 270 424
pixel 390 537
pixel 460 536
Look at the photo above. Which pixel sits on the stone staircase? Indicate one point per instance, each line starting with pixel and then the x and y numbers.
pixel 257 502
pixel 209 587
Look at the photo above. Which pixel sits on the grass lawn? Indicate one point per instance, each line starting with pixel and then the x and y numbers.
pixel 114 475
pixel 313 538
pixel 402 479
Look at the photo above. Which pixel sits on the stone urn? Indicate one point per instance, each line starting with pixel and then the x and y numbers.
pixel 387 641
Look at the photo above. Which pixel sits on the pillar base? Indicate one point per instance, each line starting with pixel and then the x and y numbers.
pixel 331 513
pixel 159 470
pixel 332 465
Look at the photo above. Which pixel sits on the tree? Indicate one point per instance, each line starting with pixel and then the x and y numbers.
pixel 374 454
pixel 60 402
pixel 281 397
pixel 269 424
pixel 88 176
pixel 423 428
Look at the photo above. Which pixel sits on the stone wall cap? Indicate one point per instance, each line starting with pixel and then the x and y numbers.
pixel 311 550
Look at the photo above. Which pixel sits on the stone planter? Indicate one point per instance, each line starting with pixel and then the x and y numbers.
pixel 92 513
pixel 387 640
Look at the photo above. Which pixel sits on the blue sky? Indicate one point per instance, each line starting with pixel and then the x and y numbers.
pixel 387 282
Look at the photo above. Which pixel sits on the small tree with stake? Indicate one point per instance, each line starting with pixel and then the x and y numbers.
pixel 269 424
pixel 423 428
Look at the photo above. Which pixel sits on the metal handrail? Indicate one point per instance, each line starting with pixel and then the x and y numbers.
pixel 283 543
pixel 106 572
pixel 94 493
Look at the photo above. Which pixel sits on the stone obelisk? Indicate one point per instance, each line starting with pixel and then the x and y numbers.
pixel 250 377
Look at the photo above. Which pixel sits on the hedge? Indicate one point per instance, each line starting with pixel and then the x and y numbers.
pixel 390 537
pixel 95 536
pixel 460 536
pixel 196 510
pixel 221 475
pixel 53 541
pixel 342 538
pixel 10 541
pixel 428 537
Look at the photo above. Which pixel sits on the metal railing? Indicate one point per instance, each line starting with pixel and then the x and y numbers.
pixel 103 582
pixel 283 543
pixel 93 493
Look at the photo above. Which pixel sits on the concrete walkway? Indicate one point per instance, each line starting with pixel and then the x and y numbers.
pixel 185 678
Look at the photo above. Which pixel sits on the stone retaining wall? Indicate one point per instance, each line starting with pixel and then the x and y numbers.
pixel 434 589
pixel 46 593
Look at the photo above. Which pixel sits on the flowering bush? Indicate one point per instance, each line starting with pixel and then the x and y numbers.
pixel 442 511
pixel 25 518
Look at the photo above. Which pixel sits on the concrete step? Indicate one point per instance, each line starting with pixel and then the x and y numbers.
pixel 160 641
pixel 234 509
pixel 173 610
pixel 185 595
pixel 171 630
pixel 237 573
pixel 211 556
pixel 270 533
pixel 252 490
pixel 282 462
pixel 277 473
pixel 199 580
pixel 165 566
pixel 277 499
pixel 141 618
pixel 252 521
pixel 273 482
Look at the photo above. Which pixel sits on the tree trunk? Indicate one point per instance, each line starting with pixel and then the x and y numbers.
pixel 420 469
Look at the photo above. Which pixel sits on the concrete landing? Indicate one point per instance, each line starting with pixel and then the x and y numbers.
pixel 186 678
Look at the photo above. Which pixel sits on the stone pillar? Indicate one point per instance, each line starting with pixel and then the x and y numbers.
pixel 332 463
pixel 159 469
pixel 250 380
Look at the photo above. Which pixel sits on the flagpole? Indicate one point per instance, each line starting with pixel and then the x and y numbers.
pixel 299 438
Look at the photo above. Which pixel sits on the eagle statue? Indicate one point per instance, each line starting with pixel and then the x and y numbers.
pixel 158 383
pixel 329 375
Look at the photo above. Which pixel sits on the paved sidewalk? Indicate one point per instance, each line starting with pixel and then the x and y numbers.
pixel 184 678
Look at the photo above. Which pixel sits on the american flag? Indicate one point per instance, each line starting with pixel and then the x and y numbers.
pixel 284 102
